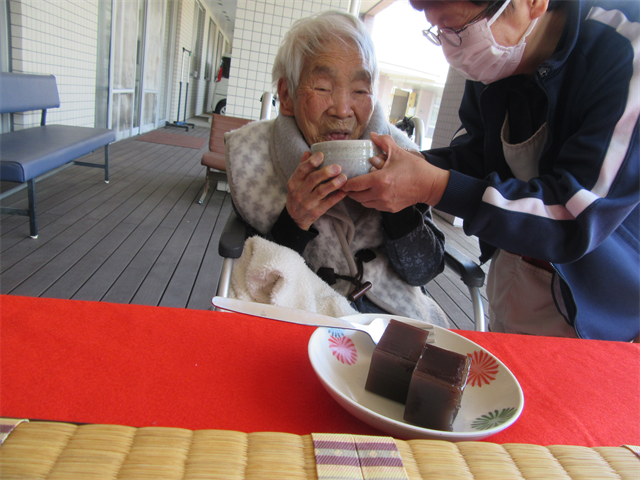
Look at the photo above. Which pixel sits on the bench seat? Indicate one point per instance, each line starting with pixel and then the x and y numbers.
pixel 29 153
pixel 32 153
pixel 214 159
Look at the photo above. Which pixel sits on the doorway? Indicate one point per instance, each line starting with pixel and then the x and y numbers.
pixel 211 67
pixel 136 72
pixel 398 105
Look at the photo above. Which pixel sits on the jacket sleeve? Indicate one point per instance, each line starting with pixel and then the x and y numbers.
pixel 287 233
pixel 590 177
pixel 414 243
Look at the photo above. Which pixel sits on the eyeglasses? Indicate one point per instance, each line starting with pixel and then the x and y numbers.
pixel 452 35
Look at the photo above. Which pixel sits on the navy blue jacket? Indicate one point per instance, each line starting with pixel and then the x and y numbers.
pixel 581 212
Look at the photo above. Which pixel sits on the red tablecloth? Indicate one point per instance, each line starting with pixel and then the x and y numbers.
pixel 125 364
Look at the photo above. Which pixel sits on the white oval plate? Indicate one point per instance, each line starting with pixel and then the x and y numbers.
pixel 492 400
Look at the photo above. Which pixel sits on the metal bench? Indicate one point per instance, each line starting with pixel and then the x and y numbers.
pixel 214 158
pixel 33 153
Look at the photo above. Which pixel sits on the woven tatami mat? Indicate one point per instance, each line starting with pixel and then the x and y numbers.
pixel 44 450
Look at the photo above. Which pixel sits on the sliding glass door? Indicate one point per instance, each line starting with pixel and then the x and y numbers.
pixel 136 65
pixel 152 64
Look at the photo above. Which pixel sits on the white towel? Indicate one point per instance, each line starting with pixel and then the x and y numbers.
pixel 270 273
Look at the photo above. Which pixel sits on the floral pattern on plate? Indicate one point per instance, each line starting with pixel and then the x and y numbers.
pixel 493 419
pixel 343 348
pixel 336 332
pixel 345 382
pixel 484 368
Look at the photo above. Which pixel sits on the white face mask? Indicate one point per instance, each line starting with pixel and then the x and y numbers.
pixel 479 57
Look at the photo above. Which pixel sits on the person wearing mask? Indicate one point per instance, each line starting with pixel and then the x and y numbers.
pixel 545 168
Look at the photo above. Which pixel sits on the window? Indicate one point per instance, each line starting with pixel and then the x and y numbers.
pixel 196 51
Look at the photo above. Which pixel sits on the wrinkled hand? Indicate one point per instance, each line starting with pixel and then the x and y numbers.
pixel 379 160
pixel 311 192
pixel 404 179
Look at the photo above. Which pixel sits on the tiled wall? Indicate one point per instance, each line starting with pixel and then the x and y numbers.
pixel 448 119
pixel 58 38
pixel 260 26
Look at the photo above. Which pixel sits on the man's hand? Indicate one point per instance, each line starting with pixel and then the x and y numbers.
pixel 311 192
pixel 404 179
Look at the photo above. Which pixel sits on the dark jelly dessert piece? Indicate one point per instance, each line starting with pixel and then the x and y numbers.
pixel 436 388
pixel 394 359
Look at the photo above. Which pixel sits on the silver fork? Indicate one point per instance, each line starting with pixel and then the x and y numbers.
pixel 374 329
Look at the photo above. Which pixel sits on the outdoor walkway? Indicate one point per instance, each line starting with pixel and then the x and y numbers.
pixel 143 238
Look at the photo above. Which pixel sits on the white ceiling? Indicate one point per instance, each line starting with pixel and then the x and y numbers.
pixel 224 14
pixel 224 11
pixel 373 7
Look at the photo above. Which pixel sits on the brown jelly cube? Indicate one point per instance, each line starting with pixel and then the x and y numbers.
pixel 436 388
pixel 394 359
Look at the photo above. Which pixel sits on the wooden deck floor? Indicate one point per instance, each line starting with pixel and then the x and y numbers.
pixel 143 238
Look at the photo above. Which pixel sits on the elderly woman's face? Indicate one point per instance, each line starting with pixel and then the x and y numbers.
pixel 334 100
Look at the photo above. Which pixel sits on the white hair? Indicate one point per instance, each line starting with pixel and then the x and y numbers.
pixel 309 36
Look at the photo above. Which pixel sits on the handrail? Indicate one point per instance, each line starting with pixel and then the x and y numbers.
pixel 419 125
pixel 265 112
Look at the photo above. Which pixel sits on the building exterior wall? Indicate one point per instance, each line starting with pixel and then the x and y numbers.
pixel 259 29
pixel 184 30
pixel 59 38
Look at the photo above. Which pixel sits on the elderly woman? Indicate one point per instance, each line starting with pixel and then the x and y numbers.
pixel 326 75
pixel 545 169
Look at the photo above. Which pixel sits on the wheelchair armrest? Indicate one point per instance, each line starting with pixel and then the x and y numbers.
pixel 232 237
pixel 470 272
